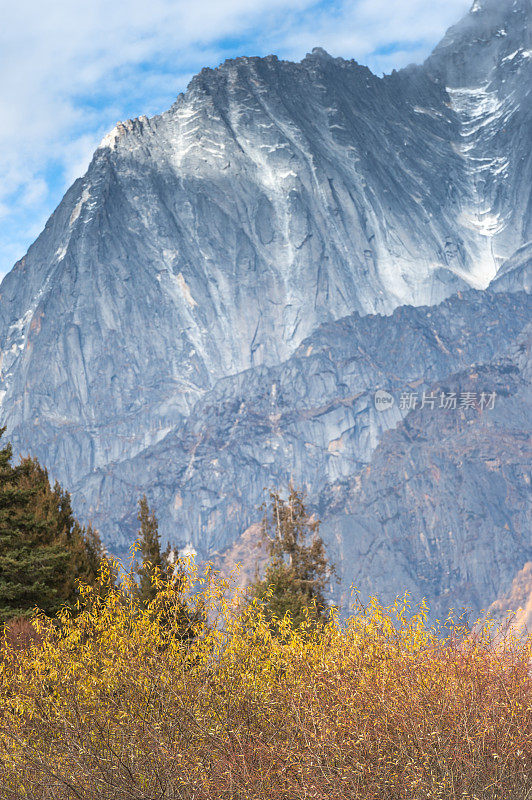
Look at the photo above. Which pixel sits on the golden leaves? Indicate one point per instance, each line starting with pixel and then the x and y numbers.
pixel 110 702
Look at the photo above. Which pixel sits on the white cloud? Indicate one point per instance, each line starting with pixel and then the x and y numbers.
pixel 69 71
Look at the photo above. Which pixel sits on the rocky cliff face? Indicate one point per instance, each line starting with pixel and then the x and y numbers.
pixel 431 499
pixel 443 507
pixel 166 332
pixel 513 610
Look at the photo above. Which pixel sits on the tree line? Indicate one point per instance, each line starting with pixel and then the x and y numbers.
pixel 45 553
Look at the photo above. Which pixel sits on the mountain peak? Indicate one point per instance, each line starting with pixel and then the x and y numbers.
pixel 498 7
pixel 147 328
pixel 320 56
pixel 320 52
pixel 483 40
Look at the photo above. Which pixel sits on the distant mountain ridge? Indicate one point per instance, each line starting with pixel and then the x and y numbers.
pixel 313 419
pixel 205 246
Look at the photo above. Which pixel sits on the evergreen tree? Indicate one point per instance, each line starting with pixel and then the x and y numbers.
pixel 149 546
pixel 53 507
pixel 32 562
pixel 297 573
pixel 88 554
pixel 177 615
pixel 43 549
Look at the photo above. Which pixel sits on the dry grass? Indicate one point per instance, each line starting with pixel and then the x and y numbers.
pixel 115 707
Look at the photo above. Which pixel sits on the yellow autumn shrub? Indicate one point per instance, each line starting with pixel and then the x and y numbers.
pixel 112 702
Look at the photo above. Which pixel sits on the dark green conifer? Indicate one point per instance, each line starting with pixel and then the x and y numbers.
pixel 53 507
pixel 43 549
pixel 33 562
pixel 177 615
pixel 298 571
pixel 149 549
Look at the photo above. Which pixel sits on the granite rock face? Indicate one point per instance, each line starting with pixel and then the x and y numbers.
pixel 210 308
pixel 430 499
pixel 516 272
pixel 443 508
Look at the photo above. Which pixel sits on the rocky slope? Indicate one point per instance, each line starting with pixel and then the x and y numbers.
pixel 443 508
pixel 513 610
pixel 179 324
pixel 409 498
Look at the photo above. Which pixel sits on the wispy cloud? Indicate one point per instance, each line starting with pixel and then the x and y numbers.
pixel 69 71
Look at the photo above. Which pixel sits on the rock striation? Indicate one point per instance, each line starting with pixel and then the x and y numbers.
pixel 213 305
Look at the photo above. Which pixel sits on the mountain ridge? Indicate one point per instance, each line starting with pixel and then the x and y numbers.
pixel 207 244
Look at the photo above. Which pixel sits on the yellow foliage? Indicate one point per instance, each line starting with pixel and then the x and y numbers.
pixel 110 702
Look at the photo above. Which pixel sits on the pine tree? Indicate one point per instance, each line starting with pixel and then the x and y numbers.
pixel 298 571
pixel 149 545
pixel 32 562
pixel 88 554
pixel 53 507
pixel 43 549
pixel 177 615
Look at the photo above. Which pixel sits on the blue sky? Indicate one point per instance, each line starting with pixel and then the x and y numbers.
pixel 69 71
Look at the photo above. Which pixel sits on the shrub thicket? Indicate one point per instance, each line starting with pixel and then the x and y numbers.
pixel 112 703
